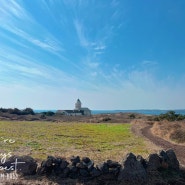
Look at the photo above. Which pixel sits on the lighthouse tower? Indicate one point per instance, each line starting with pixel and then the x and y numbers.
pixel 78 105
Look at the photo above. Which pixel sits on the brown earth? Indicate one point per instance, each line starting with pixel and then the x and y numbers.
pixel 173 131
pixel 144 129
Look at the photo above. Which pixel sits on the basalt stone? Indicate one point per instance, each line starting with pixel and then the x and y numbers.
pixel 87 163
pixel 65 172
pixel 164 159
pixel 51 158
pixel 73 171
pixel 113 164
pixel 75 160
pixel 172 159
pixel 176 182
pixel 132 170
pixel 63 164
pixel 57 170
pixel 90 165
pixel 24 165
pixel 163 155
pixel 114 171
pixel 50 165
pixel 81 165
pixel 57 161
pixel 103 167
pixel 46 167
pixel 47 163
pixel 142 161
pixel 114 167
pixel 95 172
pixel 154 162
pixel 84 173
pixel 57 166
pixel 86 160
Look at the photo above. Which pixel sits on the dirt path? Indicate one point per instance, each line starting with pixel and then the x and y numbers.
pixel 179 150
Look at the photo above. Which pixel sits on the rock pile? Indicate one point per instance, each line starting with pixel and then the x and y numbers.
pixel 132 169
pixel 77 168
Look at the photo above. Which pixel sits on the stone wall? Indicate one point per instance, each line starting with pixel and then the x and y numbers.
pixel 133 169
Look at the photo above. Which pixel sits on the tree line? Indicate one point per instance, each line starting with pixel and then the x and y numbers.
pixel 17 111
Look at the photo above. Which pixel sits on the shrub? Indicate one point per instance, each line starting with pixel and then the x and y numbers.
pixel 132 116
pixel 106 119
pixel 178 135
pixel 14 111
pixel 28 111
pixel 3 110
pixel 48 113
pixel 17 111
pixel 156 119
pixel 171 116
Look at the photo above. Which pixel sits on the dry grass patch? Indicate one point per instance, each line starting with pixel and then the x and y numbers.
pixel 171 131
pixel 97 141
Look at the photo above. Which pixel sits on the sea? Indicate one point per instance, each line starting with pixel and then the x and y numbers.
pixel 142 111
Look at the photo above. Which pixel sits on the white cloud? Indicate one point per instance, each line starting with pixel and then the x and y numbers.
pixel 143 79
pixel 128 95
pixel 49 43
pixel 81 33
pixel 11 10
pixel 149 62
pixel 100 47
pixel 22 69
pixel 92 65
pixel 98 53
pixel 14 16
pixel 94 74
pixel 16 65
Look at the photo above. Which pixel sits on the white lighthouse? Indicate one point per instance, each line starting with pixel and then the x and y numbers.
pixel 78 105
pixel 78 111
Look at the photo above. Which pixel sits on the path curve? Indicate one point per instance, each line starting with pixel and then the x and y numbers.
pixel 178 149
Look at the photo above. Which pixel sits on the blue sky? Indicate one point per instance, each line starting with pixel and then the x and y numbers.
pixel 112 54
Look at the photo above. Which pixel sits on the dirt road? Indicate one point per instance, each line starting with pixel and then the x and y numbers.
pixel 179 149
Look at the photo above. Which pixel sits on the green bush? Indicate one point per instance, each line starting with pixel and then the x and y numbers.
pixel 132 116
pixel 171 116
pixel 28 111
pixel 17 111
pixel 48 113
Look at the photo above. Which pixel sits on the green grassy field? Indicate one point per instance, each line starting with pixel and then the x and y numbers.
pixel 97 141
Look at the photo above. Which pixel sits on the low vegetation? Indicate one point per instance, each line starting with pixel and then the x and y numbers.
pixel 16 111
pixel 98 141
pixel 48 113
pixel 170 116
pixel 170 126
pixel 178 136
pixel 172 131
